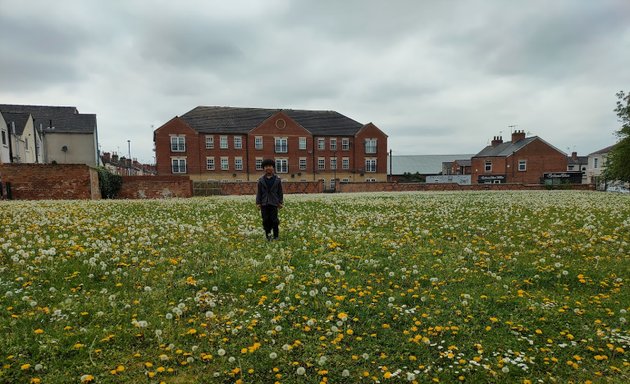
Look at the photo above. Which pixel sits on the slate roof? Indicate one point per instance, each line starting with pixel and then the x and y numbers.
pixel 19 119
pixel 577 161
pixel 463 162
pixel 603 150
pixel 64 119
pixel 422 164
pixel 505 149
pixel 212 119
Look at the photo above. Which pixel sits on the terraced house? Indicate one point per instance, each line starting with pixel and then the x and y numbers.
pixel 229 144
pixel 47 134
pixel 528 160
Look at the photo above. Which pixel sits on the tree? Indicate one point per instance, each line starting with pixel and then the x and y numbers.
pixel 618 163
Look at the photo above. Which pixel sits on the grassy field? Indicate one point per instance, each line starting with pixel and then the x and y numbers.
pixel 515 287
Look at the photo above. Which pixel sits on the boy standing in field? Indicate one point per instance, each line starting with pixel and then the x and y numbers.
pixel 269 199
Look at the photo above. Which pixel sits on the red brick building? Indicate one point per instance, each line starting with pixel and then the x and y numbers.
pixel 229 144
pixel 528 160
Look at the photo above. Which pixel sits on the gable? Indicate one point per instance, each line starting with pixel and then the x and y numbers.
pixel 176 125
pixel 536 145
pixel 370 129
pixel 280 124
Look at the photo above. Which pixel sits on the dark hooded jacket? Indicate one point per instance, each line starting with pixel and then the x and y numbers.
pixel 269 195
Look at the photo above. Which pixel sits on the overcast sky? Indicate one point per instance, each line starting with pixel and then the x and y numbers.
pixel 438 77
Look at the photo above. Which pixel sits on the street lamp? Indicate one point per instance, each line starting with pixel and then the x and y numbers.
pixel 335 171
pixel 129 154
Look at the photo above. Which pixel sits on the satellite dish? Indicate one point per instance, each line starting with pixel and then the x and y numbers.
pixel 64 148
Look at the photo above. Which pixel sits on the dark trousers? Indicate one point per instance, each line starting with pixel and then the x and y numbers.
pixel 270 219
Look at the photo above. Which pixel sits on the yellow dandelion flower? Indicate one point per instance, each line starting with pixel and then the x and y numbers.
pixel 38 331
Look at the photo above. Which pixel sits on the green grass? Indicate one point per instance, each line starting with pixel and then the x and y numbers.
pixel 473 287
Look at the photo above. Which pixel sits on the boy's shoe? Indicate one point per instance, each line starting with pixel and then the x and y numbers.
pixel 275 238
pixel 268 236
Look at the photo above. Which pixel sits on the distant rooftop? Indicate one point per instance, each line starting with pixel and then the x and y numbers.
pixel 422 164
pixel 63 119
pixel 213 119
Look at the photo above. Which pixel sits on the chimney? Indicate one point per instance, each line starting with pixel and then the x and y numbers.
pixel 574 155
pixel 107 157
pixel 518 136
pixel 115 158
pixel 496 141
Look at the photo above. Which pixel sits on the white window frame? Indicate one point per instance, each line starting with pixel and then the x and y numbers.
pixel 238 142
pixel 522 165
pixel 302 143
pixel 210 165
pixel 282 165
pixel 178 143
pixel 238 163
pixel 321 163
pixel 333 163
pixel 259 161
pixel 302 163
pixel 258 142
pixel 333 143
pixel 209 142
pixel 345 144
pixel 370 145
pixel 225 163
pixel 488 166
pixel 281 144
pixel 178 165
pixel 223 142
pixel 321 143
pixel 345 163
pixel 370 164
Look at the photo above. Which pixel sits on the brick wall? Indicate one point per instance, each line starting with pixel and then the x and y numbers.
pixel 401 187
pixel 50 181
pixel 287 188
pixel 155 187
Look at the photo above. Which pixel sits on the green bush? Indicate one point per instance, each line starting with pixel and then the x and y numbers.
pixel 109 183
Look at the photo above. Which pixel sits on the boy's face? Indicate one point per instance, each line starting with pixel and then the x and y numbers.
pixel 269 169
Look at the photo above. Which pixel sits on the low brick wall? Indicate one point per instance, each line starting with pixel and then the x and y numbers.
pixel 249 188
pixel 155 187
pixel 401 187
pixel 50 181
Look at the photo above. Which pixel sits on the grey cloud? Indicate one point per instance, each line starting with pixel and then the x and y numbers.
pixel 436 76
